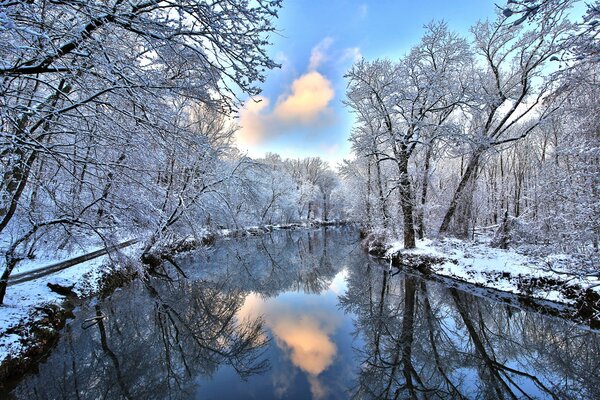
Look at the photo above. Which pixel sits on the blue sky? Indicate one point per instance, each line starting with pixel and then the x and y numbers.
pixel 301 111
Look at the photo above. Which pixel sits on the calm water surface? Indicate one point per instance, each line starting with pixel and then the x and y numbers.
pixel 307 315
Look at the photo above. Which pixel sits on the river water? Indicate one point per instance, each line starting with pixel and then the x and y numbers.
pixel 307 314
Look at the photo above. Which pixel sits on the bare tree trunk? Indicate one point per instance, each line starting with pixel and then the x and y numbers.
pixel 15 180
pixel 107 187
pixel 464 212
pixel 368 202
pixel 382 206
pixel 406 201
pixel 420 224
pixel 470 172
pixel 11 262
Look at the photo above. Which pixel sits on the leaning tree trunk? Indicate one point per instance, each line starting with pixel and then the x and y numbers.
pixel 463 216
pixel 468 175
pixel 11 262
pixel 15 180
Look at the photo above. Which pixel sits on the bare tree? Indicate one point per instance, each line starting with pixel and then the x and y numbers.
pixel 515 97
pixel 407 100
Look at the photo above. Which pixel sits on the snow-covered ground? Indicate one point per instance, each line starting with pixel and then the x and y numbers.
pixel 22 299
pixel 504 270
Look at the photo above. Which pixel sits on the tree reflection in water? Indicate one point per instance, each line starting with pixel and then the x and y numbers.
pixel 159 337
pixel 426 341
pixel 192 334
pixel 152 346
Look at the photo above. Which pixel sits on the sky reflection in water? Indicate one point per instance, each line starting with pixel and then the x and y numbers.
pixel 306 314
pixel 308 334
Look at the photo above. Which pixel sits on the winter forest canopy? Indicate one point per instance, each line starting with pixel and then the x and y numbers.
pixel 118 120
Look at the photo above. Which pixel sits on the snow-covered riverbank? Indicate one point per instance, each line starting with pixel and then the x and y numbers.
pixel 34 311
pixel 44 303
pixel 555 278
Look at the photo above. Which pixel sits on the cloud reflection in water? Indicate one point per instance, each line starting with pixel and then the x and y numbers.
pixel 303 327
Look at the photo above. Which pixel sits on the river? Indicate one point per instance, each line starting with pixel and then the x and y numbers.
pixel 307 314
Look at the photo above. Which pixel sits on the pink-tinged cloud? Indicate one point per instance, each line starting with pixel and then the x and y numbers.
pixel 252 121
pixel 310 96
pixel 310 347
pixel 306 105
pixel 304 335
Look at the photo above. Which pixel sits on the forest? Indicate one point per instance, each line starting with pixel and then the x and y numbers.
pixel 102 143
pixel 473 132
pixel 119 122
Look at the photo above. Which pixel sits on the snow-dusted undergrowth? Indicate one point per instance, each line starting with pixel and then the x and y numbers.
pixel 504 270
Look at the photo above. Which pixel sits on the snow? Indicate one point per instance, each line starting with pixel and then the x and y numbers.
pixel 45 258
pixel 479 264
pixel 424 246
pixel 22 298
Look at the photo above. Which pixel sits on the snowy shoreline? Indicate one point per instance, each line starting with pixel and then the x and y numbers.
pixel 531 279
pixel 34 312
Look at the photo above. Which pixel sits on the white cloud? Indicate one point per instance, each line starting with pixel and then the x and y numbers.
pixel 351 53
pixel 306 104
pixel 318 54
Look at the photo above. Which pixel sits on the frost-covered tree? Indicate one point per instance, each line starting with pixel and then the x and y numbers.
pixel 514 98
pixel 111 114
pixel 583 44
pixel 314 182
pixel 400 106
pixel 501 132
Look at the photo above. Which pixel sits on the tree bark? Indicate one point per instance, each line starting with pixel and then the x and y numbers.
pixel 16 180
pixel 420 225
pixel 458 194
pixel 368 202
pixel 406 201
pixel 382 206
